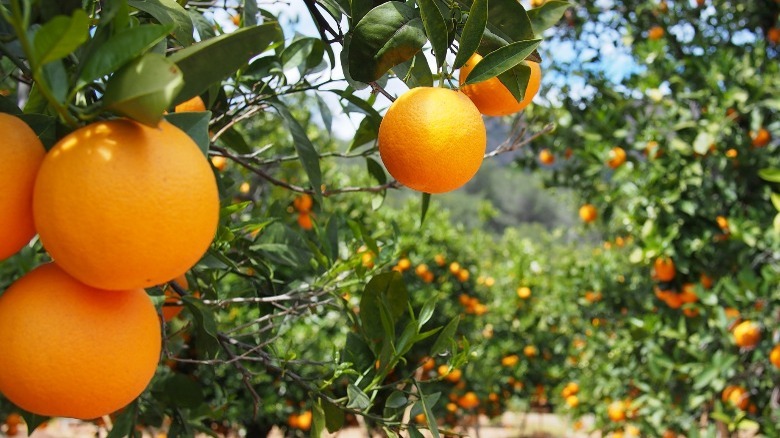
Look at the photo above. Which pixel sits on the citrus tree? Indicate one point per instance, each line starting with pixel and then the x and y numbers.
pixel 176 161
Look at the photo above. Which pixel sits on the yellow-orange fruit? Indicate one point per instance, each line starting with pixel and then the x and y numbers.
pixel 303 203
pixel 655 33
pixel 193 105
pixel 546 157
pixel 305 222
pixel 617 156
pixel 616 411
pixel 760 138
pixel 120 205
pixel 21 154
pixel 71 350
pixel 588 213
pixel 747 334
pixel 469 400
pixel 428 148
pixel 774 356
pixel 664 269
pixel 491 97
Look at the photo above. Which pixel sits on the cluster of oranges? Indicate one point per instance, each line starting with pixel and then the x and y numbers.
pixel 303 205
pixel 119 207
pixel 569 393
pixel 433 140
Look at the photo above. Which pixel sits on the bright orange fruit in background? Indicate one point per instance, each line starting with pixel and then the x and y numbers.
pixel 21 154
pixel 588 213
pixel 70 350
pixel 120 205
pixel 747 334
pixel 491 97
pixel 664 268
pixel 432 139
pixel 193 105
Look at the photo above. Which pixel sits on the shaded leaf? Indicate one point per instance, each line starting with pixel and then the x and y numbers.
pixel 59 37
pixel 435 28
pixel 308 155
pixel 503 59
pixel 545 16
pixel 168 12
pixel 472 32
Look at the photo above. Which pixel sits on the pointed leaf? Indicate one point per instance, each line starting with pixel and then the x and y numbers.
pixel 415 72
pixel 211 61
pixel 60 37
pixel 501 60
pixel 426 202
pixel 195 125
pixel 334 416
pixel 384 291
pixel 446 337
pixel 545 16
pixel 168 12
pixel 388 35
pixel 516 80
pixel 308 155
pixel 119 50
pixel 435 28
pixel 771 175
pixel 357 398
pixel 144 88
pixel 472 32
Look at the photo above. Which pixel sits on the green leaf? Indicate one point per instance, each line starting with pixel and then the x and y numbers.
pixel 180 391
pixel 56 77
pixel 425 405
pixel 388 35
pixel 414 432
pixel 144 88
pixel 775 197
pixel 308 155
pixel 545 16
pixel 205 326
pixel 503 59
pixel 426 313
pixel 415 72
pixel 357 398
pixel 32 420
pixel 509 18
pixel 44 126
pixel 318 420
pixel 396 400
pixel 425 203
pixel 516 80
pixel 211 61
pixel 124 424
pixel 304 54
pixel 60 37
pixel 771 175
pixel 168 12
pixel 367 131
pixel 194 124
pixel 472 32
pixel 446 337
pixel 119 50
pixel 435 28
pixel 384 291
pixel 334 416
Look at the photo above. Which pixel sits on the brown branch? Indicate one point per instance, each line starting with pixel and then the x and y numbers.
pixel 516 142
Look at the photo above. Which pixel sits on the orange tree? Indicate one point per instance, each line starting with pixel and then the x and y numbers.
pixel 292 317
pixel 688 93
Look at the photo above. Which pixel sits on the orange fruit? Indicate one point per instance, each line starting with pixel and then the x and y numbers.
pixel 705 280
pixel 773 35
pixel 72 350
pixel 774 356
pixel 236 19
pixel 303 203
pixel 219 162
pixel 688 294
pixel 652 149
pixel 530 351
pixel 664 269
pixel 723 223
pixel 440 260
pixel 616 411
pixel 111 195
pixel 193 105
pixel 573 401
pixel 747 334
pixel 304 420
pixel 170 309
pixel 760 138
pixel 21 155
pixel 292 421
pixel 429 364
pixel 454 268
pixel 673 300
pixel 428 149
pixel 463 275
pixel 655 33
pixel 468 400
pixel 588 213
pixel 491 97
pixel 546 157
pixel 305 222
pixel 404 264
pixel 421 269
pixel 524 292
pixel 510 360
pixel 617 156
pixel 737 396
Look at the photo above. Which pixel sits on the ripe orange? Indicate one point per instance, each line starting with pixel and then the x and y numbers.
pixel 440 260
pixel 21 154
pixel 723 223
pixel 588 213
pixel 530 351
pixel 773 35
pixel 617 410
pixel 573 401
pixel 120 205
pixel 747 334
pixel 524 292
pixel 428 364
pixel 219 162
pixel 655 33
pixel 491 97
pixel 617 156
pixel 454 268
pixel 688 294
pixel 468 400
pixel 664 269
pixel 774 356
pixel 546 157
pixel 404 264
pixel 737 396
pixel 705 281
pixel 760 138
pixel 428 149
pixel 304 420
pixel 463 275
pixel 305 222
pixel 193 105
pixel 303 203
pixel 72 350
pixel 509 361
pixel 170 309
pixel 652 149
